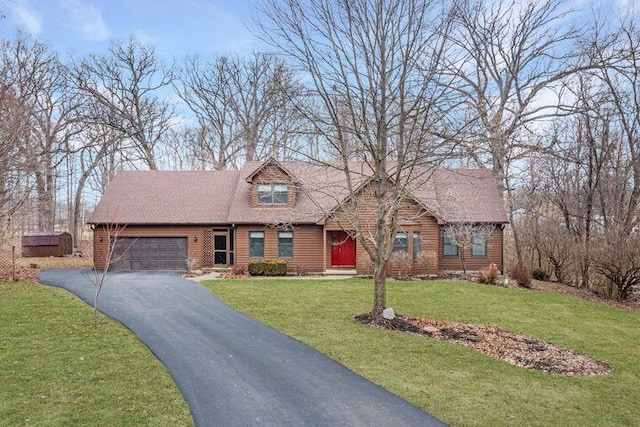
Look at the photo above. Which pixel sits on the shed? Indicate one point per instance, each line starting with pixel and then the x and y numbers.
pixel 47 244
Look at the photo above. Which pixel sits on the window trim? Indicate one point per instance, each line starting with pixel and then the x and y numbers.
pixel 251 256
pixel 280 244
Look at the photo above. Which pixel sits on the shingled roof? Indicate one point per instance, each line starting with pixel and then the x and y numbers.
pixel 223 197
pixel 463 195
pixel 167 197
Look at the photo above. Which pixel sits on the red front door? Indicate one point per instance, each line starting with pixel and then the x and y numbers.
pixel 343 249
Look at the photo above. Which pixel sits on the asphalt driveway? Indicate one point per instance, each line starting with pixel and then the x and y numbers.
pixel 232 370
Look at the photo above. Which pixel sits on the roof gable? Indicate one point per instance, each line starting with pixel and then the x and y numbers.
pixel 264 168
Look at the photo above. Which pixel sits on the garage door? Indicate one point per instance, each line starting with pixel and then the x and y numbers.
pixel 150 253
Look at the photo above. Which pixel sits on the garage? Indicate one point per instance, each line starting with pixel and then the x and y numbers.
pixel 150 253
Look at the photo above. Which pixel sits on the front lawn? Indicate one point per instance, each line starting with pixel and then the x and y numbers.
pixel 452 382
pixel 57 370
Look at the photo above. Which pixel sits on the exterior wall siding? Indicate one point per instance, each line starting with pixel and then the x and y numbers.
pixel 474 263
pixel 194 248
pixel 411 218
pixel 307 246
pixel 271 175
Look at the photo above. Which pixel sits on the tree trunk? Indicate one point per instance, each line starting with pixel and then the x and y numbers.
pixel 77 208
pixel 379 289
pixel 45 202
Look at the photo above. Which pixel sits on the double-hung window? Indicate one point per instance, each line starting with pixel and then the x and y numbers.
pixel 479 244
pixel 285 244
pixel 401 243
pixel 273 194
pixel 256 244
pixel 450 246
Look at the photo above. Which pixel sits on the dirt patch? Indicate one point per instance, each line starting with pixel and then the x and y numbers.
pixel 519 350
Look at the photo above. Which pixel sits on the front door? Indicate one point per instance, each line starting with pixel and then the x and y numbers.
pixel 343 250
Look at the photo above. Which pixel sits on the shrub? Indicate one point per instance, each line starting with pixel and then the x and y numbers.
pixel 617 260
pixel 428 260
pixel 540 273
pixel 237 270
pixel 268 267
pixel 522 275
pixel 490 276
pixel 403 262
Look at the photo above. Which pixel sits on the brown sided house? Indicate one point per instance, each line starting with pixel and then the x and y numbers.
pixel 172 220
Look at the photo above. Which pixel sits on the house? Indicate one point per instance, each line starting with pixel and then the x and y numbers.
pixel 169 220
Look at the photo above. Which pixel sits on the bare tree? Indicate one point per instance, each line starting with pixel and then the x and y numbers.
pixel 370 68
pixel 111 233
pixel 244 108
pixel 13 127
pixel 592 177
pixel 509 59
pixel 618 57
pixel 102 142
pixel 618 261
pixel 39 84
pixel 130 82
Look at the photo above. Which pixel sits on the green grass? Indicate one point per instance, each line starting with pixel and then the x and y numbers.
pixel 452 382
pixel 56 370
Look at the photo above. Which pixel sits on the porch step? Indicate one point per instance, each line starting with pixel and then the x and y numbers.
pixel 340 272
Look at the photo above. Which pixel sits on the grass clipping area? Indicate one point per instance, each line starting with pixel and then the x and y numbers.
pixel 517 349
pixel 58 370
pixel 455 383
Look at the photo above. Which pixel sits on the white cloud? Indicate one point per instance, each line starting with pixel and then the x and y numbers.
pixel 144 37
pixel 87 19
pixel 26 17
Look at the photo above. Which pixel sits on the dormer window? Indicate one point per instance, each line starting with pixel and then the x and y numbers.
pixel 273 194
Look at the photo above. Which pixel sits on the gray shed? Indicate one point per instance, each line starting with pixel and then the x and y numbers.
pixel 47 244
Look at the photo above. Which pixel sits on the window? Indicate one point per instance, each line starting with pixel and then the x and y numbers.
pixel 479 244
pixel 401 243
pixel 416 245
pixel 450 246
pixel 285 244
pixel 273 194
pixel 256 244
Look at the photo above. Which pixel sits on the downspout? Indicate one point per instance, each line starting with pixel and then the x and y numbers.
pixel 502 249
pixel 324 248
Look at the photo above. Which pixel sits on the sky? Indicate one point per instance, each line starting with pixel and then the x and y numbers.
pixel 175 28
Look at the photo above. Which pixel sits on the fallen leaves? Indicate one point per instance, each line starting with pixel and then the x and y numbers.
pixel 519 350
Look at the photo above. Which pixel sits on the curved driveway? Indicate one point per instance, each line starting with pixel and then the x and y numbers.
pixel 232 370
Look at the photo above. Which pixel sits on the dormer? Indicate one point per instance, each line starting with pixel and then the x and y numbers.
pixel 272 186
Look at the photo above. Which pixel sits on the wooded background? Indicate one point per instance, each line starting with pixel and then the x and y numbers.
pixel 550 103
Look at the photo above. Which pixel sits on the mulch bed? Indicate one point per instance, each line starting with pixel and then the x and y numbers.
pixel 519 350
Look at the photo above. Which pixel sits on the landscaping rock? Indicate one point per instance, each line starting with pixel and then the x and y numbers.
pixel 388 313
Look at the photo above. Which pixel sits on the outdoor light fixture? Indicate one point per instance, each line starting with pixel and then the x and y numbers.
pixel 195 238
pixel 101 239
